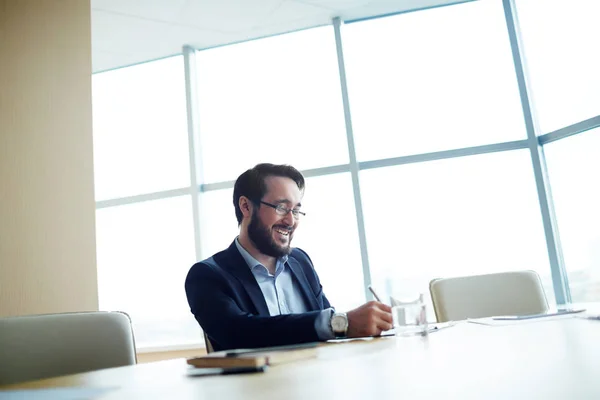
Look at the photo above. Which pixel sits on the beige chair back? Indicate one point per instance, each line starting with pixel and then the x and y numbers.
pixel 44 346
pixel 506 293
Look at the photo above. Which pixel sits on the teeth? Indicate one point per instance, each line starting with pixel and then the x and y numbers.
pixel 284 233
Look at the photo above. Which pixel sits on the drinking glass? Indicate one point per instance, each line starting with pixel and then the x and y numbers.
pixel 410 318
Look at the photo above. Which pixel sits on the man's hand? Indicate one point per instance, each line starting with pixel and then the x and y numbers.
pixel 370 319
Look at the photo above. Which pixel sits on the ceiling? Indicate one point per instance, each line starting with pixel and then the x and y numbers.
pixel 126 32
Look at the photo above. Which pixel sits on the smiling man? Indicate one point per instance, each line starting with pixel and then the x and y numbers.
pixel 261 291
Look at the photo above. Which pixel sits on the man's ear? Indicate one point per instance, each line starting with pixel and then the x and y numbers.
pixel 245 206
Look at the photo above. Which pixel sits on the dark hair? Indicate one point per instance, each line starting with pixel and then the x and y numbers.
pixel 252 183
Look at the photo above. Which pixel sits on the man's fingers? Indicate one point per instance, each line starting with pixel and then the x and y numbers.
pixel 387 317
pixel 384 315
pixel 385 325
pixel 379 305
pixel 370 319
pixel 385 307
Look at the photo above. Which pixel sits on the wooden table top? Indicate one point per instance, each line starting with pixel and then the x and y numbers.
pixel 537 359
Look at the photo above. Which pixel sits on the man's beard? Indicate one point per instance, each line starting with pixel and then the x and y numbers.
pixel 260 235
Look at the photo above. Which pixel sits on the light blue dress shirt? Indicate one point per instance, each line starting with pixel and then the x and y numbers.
pixel 280 293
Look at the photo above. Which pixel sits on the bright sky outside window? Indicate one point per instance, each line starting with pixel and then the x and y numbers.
pixel 271 100
pixel 432 80
pixel 330 236
pixel 462 216
pixel 573 167
pixel 144 253
pixel 560 40
pixel 140 129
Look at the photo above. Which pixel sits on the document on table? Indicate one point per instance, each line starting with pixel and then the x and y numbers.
pixel 64 393
pixel 504 320
pixel 433 327
pixel 591 316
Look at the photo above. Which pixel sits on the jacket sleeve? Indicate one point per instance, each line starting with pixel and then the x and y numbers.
pixel 212 302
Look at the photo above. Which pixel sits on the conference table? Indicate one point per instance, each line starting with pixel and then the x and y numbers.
pixel 551 358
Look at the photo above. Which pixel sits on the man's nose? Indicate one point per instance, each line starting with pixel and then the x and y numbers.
pixel 289 218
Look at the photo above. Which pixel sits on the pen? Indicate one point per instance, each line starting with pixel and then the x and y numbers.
pixel 374 294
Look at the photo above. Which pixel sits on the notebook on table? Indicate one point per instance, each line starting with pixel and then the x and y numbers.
pixel 256 357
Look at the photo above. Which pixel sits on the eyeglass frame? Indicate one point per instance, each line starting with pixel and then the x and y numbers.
pixel 282 210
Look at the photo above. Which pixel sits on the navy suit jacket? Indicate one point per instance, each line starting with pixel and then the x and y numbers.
pixel 229 306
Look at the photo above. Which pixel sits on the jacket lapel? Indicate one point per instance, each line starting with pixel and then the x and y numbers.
pixel 309 296
pixel 237 266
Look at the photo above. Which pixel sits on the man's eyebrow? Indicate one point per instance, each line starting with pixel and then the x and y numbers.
pixel 286 201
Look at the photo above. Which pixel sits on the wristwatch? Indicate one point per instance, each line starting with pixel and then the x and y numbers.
pixel 339 324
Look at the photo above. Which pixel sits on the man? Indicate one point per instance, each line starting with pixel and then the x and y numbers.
pixel 262 292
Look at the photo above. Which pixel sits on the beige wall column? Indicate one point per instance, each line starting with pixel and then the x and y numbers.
pixel 47 210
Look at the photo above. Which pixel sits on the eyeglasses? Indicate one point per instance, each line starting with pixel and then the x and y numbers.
pixel 282 210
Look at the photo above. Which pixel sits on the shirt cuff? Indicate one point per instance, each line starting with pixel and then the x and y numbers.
pixel 323 325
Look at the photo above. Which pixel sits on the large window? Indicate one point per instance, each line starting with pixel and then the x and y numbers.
pixel 560 40
pixel 432 80
pixel 573 165
pixel 140 130
pixel 144 253
pixel 219 226
pixel 275 99
pixel 398 212
pixel 145 246
pixel 463 216
pixel 329 234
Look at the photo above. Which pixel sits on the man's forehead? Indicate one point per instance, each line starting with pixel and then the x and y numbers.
pixel 280 185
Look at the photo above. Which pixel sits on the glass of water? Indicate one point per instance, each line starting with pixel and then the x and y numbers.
pixel 410 318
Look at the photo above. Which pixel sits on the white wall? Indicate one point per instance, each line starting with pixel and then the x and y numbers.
pixel 47 232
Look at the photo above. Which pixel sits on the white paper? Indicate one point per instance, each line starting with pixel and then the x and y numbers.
pixel 491 321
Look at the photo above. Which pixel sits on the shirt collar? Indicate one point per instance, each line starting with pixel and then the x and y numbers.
pixel 253 262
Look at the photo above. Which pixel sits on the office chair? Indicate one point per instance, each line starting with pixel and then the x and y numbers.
pixel 45 346
pixel 506 293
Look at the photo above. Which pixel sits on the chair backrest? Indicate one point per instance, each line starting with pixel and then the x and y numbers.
pixel 44 346
pixel 506 293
